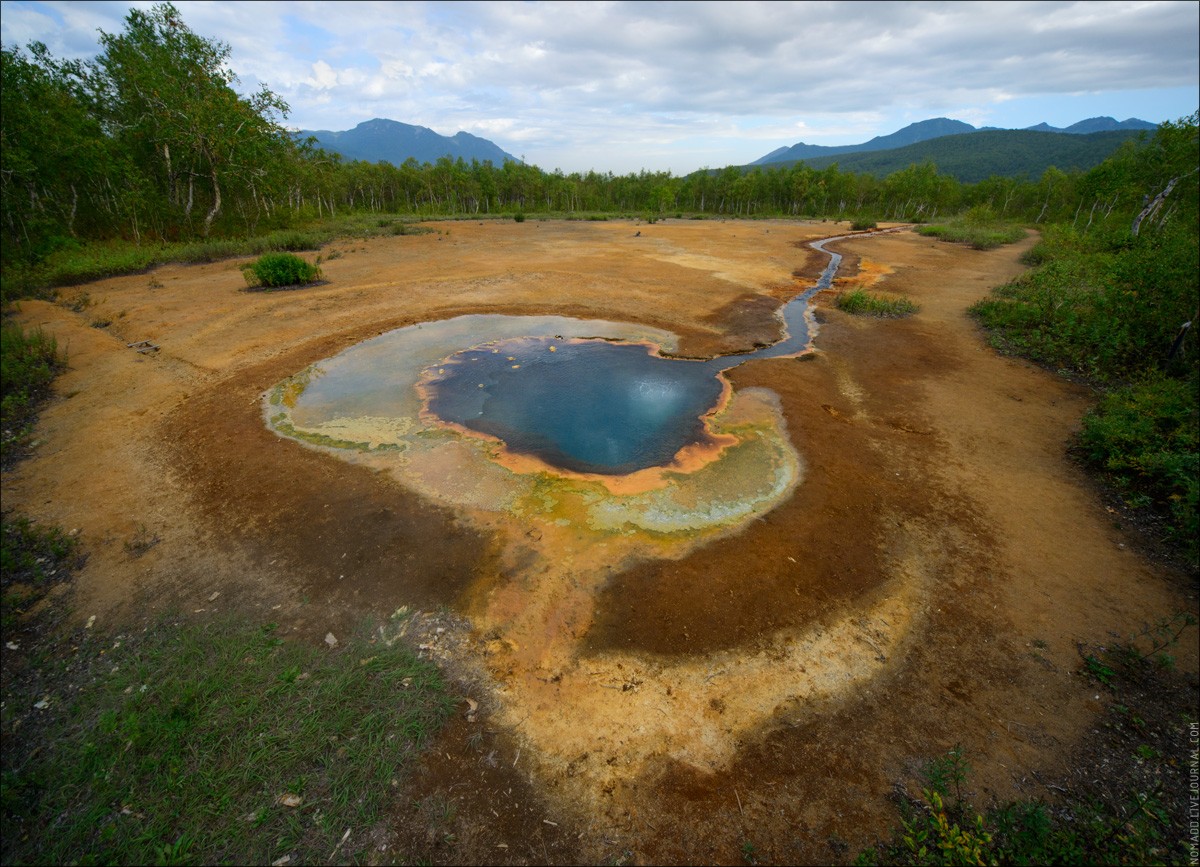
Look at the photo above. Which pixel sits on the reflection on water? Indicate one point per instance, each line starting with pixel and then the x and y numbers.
pixel 589 406
pixel 589 398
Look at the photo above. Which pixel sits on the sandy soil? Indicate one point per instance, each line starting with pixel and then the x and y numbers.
pixel 924 584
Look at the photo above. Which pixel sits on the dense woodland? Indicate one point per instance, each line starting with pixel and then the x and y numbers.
pixel 149 144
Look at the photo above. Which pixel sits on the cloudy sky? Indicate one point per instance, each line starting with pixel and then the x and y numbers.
pixel 621 87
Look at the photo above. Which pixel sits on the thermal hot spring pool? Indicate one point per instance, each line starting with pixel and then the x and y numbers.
pixel 577 421
pixel 584 422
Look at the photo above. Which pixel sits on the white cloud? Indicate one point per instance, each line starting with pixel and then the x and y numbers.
pixel 323 77
pixel 587 84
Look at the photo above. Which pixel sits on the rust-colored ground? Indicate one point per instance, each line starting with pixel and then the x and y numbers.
pixel 924 585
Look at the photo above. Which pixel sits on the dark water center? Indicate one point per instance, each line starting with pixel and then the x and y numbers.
pixel 588 406
pixel 594 406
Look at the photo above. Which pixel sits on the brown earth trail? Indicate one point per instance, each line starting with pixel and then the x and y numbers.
pixel 924 584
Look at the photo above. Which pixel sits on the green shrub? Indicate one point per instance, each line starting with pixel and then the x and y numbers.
pixel 944 828
pixel 862 303
pixel 860 223
pixel 1108 307
pixel 518 217
pixel 1145 438
pixel 29 361
pixel 274 270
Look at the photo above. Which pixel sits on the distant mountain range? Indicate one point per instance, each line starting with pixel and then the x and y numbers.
pixel 382 140
pixel 939 127
pixel 968 153
pixel 976 156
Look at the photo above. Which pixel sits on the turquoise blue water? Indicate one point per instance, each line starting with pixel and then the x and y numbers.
pixel 594 406
pixel 588 406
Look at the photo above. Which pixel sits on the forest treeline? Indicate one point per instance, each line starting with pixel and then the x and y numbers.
pixel 150 142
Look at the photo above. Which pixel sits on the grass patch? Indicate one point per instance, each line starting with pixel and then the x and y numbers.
pixel 276 270
pixel 211 742
pixel 978 237
pixel 29 361
pixel 83 263
pixel 859 302
pixel 96 261
pixel 33 560
pixel 979 228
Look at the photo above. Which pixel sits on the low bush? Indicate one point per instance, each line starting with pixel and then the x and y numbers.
pixel 1107 307
pixel 862 223
pixel 1145 439
pixel 275 270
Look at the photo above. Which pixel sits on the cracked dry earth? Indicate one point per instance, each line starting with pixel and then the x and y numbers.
pixel 753 685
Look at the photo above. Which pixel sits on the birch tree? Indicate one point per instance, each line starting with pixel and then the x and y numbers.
pixel 166 94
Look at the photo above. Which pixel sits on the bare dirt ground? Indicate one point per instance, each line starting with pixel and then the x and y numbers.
pixel 926 583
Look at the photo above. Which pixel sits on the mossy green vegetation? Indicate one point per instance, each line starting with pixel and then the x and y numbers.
pixel 863 303
pixel 979 227
pixel 213 741
pixel 29 361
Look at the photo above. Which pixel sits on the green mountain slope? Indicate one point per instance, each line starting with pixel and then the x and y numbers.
pixel 382 140
pixel 914 132
pixel 973 157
